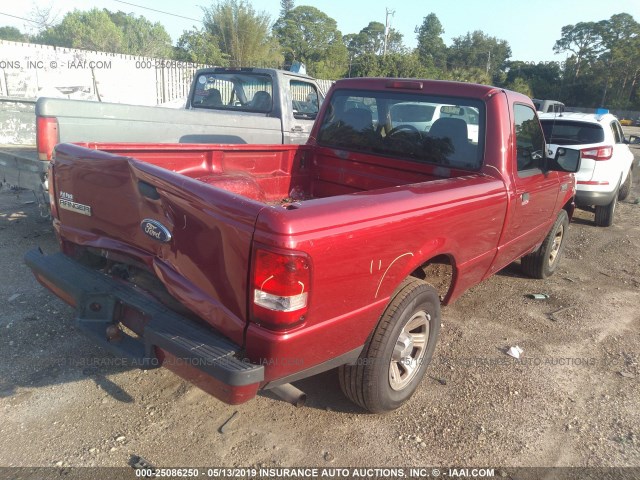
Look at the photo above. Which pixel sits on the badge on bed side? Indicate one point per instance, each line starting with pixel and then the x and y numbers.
pixel 66 203
pixel 155 230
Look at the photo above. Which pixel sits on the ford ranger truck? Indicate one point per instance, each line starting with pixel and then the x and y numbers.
pixel 247 267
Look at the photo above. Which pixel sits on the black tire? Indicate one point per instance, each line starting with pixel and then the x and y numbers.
pixel 543 262
pixel 604 213
pixel 625 188
pixel 376 382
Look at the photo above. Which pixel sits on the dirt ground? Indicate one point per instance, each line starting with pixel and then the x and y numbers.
pixel 572 400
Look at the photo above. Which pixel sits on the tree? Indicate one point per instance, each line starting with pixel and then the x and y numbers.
pixel 477 50
pixel 394 64
pixel 520 85
pixel 91 30
pixel 43 17
pixel 199 46
pixel 310 36
pixel 544 79
pixel 285 7
pixel 431 48
pixel 141 37
pixel 242 33
pixel 584 40
pixel 12 34
pixel 371 40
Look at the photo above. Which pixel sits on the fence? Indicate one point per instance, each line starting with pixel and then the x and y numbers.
pixel 30 71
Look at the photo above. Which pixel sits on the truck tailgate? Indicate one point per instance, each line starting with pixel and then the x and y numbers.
pixel 195 239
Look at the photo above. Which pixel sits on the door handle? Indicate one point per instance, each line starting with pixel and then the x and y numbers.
pixel 297 129
pixel 525 198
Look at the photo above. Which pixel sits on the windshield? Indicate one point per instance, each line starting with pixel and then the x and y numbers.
pixel 233 91
pixel 571 133
pixel 422 128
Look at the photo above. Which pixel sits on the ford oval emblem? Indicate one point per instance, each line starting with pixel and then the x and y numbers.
pixel 155 230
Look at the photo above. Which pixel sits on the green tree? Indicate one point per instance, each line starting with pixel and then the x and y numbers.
pixel 242 33
pixel 584 40
pixel 394 64
pixel 371 40
pixel 141 37
pixel 12 34
pixel 544 79
pixel 285 7
pixel 477 50
pixel 199 46
pixel 521 85
pixel 310 36
pixel 91 30
pixel 431 48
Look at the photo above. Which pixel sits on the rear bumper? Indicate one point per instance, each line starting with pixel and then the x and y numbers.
pixel 586 198
pixel 168 339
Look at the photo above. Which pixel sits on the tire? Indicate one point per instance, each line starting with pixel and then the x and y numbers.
pixel 392 364
pixel 604 213
pixel 625 188
pixel 543 262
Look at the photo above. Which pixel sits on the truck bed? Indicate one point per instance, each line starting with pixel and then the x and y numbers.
pixel 279 174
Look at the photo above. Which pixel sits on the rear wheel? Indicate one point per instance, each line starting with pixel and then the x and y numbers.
pixel 544 261
pixel 396 356
pixel 604 213
pixel 625 188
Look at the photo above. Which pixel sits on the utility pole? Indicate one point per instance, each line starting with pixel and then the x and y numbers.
pixel 386 30
pixel 488 62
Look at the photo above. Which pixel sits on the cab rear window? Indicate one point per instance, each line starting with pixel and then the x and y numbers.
pixel 571 133
pixel 445 131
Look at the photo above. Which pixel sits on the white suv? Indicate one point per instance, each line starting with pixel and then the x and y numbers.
pixel 605 174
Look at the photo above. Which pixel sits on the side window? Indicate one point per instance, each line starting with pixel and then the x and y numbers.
pixel 529 138
pixel 305 100
pixel 617 134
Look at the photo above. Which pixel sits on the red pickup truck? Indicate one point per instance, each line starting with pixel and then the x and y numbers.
pixel 246 267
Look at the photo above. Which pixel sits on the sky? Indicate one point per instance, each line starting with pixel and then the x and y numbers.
pixel 530 27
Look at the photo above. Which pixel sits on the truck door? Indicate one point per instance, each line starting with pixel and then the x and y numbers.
pixel 534 193
pixel 300 111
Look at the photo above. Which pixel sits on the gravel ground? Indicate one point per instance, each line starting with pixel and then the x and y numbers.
pixel 572 400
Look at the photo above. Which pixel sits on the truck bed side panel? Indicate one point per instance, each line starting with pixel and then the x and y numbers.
pixel 363 245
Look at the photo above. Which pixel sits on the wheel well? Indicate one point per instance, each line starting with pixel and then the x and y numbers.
pixel 570 208
pixel 439 272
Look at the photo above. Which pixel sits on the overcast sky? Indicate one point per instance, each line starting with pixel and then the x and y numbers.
pixel 531 28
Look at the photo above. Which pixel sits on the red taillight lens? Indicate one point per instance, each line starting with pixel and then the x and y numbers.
pixel 280 288
pixel 598 153
pixel 46 136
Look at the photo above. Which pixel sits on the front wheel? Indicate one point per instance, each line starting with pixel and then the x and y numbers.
pixel 396 356
pixel 543 262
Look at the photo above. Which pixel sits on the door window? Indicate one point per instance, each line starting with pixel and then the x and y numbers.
pixel 529 138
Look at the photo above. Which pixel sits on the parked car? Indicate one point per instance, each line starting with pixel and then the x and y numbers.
pixel 548 106
pixel 423 115
pixel 606 171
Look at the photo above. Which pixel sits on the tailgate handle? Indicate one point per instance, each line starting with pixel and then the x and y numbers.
pixel 148 190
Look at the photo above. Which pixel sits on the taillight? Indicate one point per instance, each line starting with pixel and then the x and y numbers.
pixel 46 136
pixel 598 153
pixel 280 288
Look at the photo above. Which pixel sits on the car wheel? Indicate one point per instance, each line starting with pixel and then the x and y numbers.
pixel 604 213
pixel 625 188
pixel 543 262
pixel 396 355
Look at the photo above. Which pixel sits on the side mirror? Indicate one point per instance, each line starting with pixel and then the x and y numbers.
pixel 566 160
pixel 633 140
